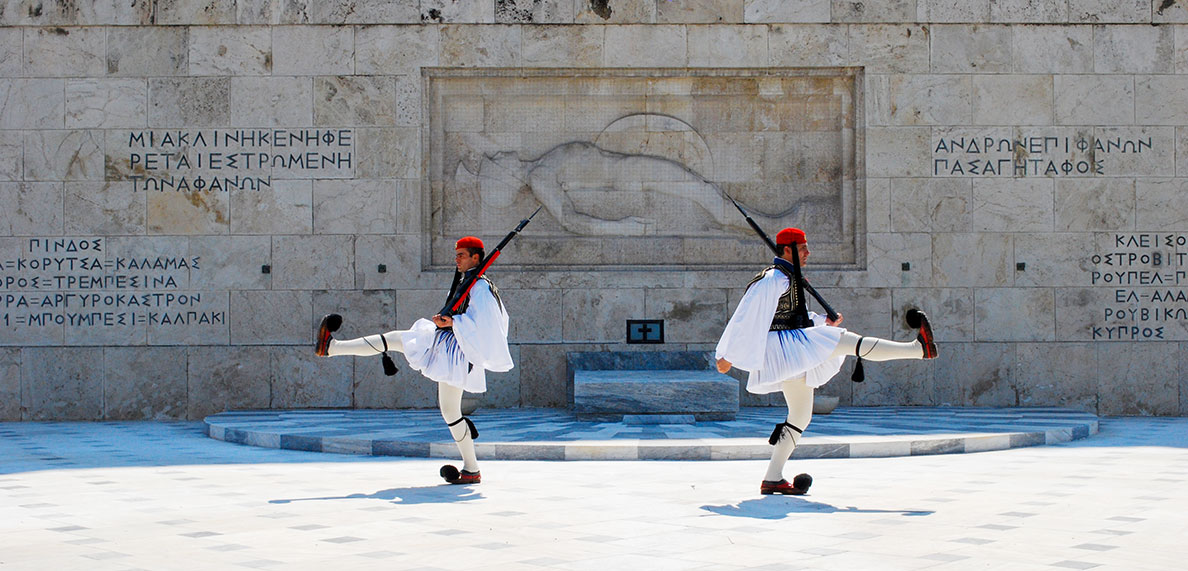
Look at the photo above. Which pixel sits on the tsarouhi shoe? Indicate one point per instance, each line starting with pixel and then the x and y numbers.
pixel 917 320
pixel 453 476
pixel 330 324
pixel 799 486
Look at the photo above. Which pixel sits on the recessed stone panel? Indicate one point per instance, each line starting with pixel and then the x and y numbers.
pixel 643 181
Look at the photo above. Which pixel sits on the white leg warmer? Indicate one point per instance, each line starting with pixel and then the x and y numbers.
pixel 366 346
pixel 875 349
pixel 799 397
pixel 449 399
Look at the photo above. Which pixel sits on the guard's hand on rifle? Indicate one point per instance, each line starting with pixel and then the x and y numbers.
pixel 834 322
pixel 443 320
pixel 724 366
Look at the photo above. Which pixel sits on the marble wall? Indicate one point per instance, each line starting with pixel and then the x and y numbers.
pixel 186 187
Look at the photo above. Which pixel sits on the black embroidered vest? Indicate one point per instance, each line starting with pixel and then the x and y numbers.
pixel 791 311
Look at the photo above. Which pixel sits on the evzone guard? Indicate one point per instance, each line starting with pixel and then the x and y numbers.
pixel 789 349
pixel 454 348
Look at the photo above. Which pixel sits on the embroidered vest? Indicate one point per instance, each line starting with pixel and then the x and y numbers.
pixel 791 312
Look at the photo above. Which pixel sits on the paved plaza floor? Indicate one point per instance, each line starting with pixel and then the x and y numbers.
pixel 147 495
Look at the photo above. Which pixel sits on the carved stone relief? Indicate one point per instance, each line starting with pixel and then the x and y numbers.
pixel 637 167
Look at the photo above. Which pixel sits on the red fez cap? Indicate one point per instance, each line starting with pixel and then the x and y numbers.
pixel 789 236
pixel 469 242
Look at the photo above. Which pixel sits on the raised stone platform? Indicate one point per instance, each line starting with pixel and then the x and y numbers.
pixel 609 396
pixel 551 434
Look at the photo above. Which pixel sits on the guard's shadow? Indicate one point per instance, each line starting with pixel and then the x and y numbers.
pixel 439 494
pixel 780 507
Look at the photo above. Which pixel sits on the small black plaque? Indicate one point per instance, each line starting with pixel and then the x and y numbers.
pixel 645 330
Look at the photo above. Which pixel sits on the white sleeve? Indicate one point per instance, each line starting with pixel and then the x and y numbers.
pixel 744 342
pixel 817 318
pixel 482 330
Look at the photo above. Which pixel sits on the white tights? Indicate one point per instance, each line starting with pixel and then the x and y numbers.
pixel 366 346
pixel 799 395
pixel 449 397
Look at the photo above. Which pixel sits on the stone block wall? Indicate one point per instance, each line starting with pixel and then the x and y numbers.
pixel 1017 175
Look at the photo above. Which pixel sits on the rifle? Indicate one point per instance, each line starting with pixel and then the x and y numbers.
pixel 462 290
pixel 795 258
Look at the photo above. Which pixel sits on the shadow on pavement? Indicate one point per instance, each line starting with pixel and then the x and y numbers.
pixel 779 507
pixel 439 494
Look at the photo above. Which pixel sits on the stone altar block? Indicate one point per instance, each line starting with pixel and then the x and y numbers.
pixel 616 395
pixel 650 387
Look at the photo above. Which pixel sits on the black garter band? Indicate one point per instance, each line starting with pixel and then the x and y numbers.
pixel 469 425
pixel 778 433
